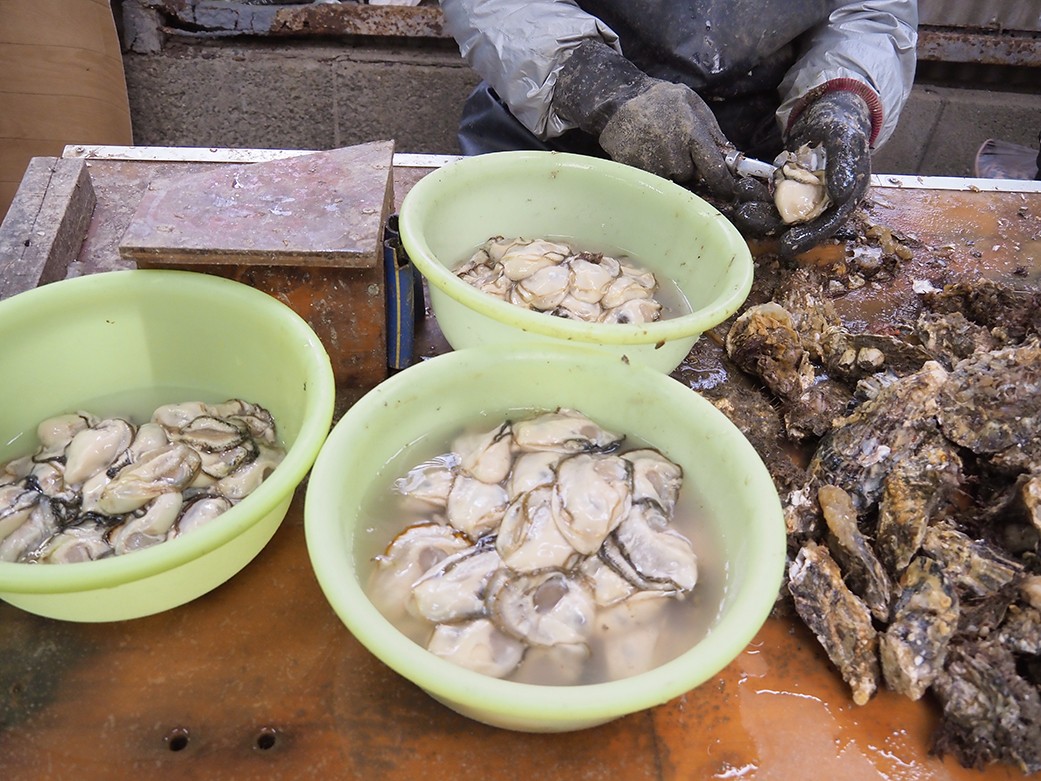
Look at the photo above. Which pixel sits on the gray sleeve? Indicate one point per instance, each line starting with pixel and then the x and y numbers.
pixel 518 46
pixel 872 43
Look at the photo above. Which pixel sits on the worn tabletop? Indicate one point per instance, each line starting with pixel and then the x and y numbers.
pixel 259 679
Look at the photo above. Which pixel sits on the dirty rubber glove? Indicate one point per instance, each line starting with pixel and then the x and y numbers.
pixel 655 125
pixel 841 122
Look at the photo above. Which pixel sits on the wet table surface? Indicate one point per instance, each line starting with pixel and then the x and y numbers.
pixel 259 679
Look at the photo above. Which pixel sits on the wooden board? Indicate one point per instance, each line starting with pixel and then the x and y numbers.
pixel 45 226
pixel 321 209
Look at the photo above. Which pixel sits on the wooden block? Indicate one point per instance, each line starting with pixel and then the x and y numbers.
pixel 307 230
pixel 320 209
pixel 344 307
pixel 45 225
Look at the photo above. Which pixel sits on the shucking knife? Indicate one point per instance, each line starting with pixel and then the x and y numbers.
pixel 741 165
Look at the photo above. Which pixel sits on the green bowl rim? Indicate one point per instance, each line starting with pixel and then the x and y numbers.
pixel 24 578
pixel 546 704
pixel 524 162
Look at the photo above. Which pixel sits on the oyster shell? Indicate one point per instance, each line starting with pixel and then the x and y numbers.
pixel 864 572
pixel 990 402
pixel 975 566
pixel 763 341
pixel 925 617
pixel 860 451
pixel 851 357
pixel 914 490
pixel 951 337
pixel 839 619
pixel 989 711
pixel 1012 312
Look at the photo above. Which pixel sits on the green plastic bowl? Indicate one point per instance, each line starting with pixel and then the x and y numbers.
pixel 433 400
pixel 593 204
pixel 151 337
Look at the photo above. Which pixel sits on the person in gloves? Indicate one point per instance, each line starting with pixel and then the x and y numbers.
pixel 671 86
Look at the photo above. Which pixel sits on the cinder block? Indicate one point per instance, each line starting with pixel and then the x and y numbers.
pixel 238 97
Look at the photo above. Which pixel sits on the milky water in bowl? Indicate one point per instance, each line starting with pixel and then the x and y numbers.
pixel 629 638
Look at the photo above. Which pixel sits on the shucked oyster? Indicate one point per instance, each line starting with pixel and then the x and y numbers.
pixel 96 487
pixel 549 277
pixel 800 191
pixel 537 567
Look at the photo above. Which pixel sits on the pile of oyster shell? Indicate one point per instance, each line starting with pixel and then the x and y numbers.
pixel 98 487
pixel 914 527
pixel 551 277
pixel 535 541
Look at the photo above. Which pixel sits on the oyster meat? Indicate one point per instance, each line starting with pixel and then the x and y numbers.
pixel 542 558
pixel 800 186
pixel 97 487
pixel 551 277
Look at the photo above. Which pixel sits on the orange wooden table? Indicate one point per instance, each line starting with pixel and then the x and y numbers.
pixel 259 679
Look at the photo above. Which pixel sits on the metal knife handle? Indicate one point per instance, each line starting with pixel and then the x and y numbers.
pixel 748 166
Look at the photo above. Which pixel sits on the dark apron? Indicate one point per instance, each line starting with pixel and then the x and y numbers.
pixel 733 53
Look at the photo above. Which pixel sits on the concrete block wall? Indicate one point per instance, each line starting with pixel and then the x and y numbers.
pixel 301 95
pixel 941 128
